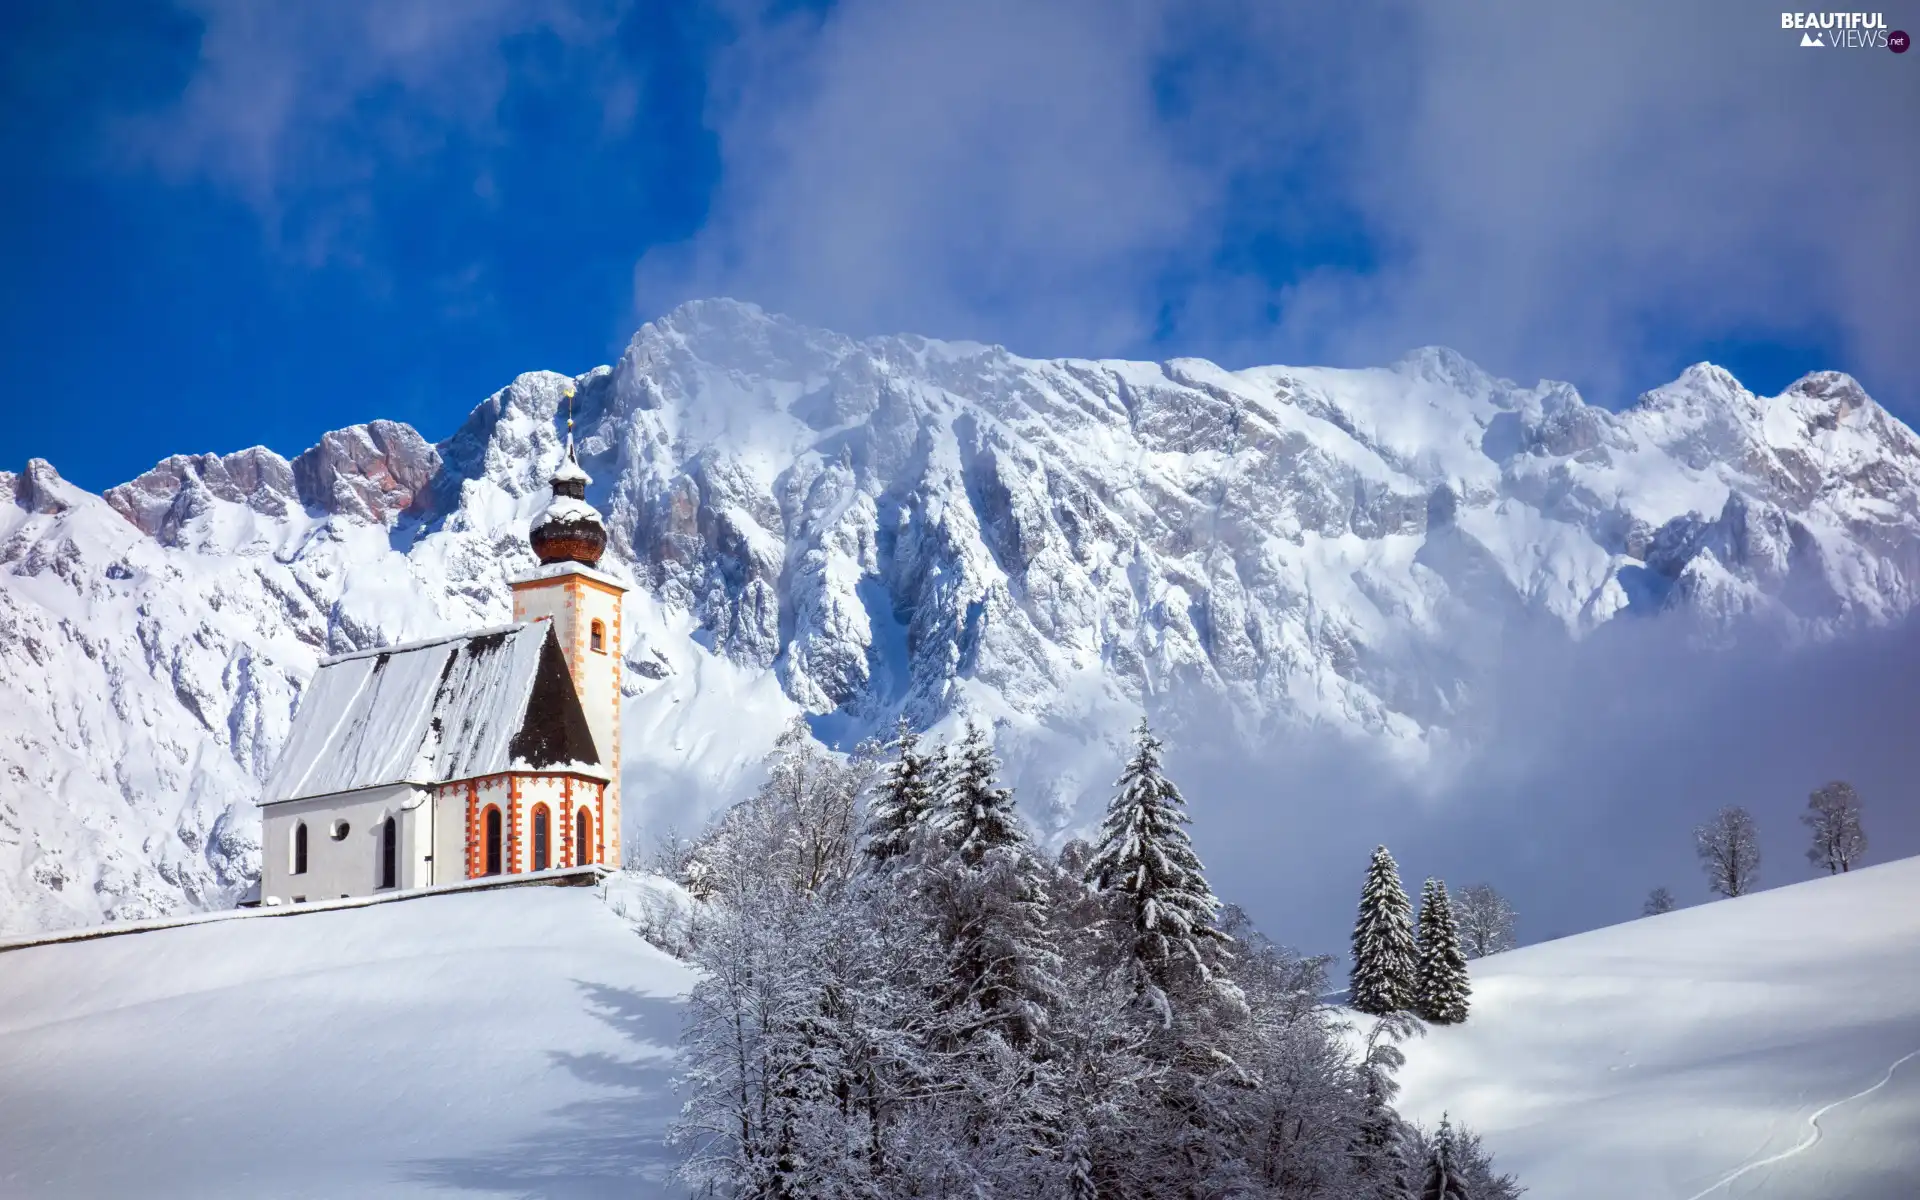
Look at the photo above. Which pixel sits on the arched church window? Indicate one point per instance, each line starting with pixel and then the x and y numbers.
pixel 597 637
pixel 493 840
pixel 300 848
pixel 389 852
pixel 542 837
pixel 584 854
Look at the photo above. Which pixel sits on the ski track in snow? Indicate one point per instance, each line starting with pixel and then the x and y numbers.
pixel 1814 1134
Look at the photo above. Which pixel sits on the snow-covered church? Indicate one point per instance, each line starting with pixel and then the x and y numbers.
pixel 495 752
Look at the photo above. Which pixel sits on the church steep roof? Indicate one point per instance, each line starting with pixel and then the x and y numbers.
pixel 435 711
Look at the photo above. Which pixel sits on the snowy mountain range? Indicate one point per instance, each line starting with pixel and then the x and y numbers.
pixel 853 529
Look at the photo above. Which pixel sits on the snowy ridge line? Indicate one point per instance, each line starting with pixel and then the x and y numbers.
pixel 1814 1134
pixel 554 877
pixel 424 643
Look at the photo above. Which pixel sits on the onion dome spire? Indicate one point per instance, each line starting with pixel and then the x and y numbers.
pixel 569 530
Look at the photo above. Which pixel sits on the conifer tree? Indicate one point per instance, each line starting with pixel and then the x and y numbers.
pixel 905 799
pixel 1145 862
pixel 1383 974
pixel 991 899
pixel 980 813
pixel 1441 987
pixel 1444 1179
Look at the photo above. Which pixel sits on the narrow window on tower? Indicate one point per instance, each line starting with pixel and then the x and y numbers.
pixel 542 837
pixel 300 848
pixel 598 638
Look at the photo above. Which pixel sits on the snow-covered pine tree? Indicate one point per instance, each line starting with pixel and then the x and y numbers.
pixel 1145 862
pixel 990 901
pixel 980 813
pixel 904 800
pixel 1382 980
pixel 1441 985
pixel 1469 1164
pixel 1444 1180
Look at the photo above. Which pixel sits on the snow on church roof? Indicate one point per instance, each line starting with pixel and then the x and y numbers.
pixel 428 712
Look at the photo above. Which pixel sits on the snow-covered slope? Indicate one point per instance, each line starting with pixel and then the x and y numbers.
pixel 495 1043
pixel 857 528
pixel 1767 1046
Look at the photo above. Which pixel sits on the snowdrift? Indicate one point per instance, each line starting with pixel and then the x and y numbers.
pixel 1762 1047
pixel 514 1042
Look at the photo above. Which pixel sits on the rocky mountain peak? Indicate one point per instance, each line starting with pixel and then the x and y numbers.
pixel 38 489
pixel 164 500
pixel 375 472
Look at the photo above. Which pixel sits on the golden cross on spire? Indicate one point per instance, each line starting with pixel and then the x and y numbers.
pixel 569 393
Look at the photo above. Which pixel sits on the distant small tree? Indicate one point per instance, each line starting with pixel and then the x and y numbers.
pixel 1444 1179
pixel 1382 981
pixel 1486 921
pixel 1441 984
pixel 1659 900
pixel 1469 1167
pixel 1729 851
pixel 1833 814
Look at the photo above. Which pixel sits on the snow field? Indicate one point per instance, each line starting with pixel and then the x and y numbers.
pixel 1758 1047
pixel 513 1042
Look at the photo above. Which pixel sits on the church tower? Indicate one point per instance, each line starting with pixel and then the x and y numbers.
pixel 585 608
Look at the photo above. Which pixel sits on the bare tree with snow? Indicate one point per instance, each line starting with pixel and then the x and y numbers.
pixel 1486 921
pixel 1659 900
pixel 1833 814
pixel 1729 851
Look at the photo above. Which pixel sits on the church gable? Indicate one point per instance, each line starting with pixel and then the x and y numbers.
pixel 554 731
pixel 430 712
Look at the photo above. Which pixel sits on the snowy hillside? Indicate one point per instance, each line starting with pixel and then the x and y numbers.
pixel 856 528
pixel 495 1043
pixel 1766 1047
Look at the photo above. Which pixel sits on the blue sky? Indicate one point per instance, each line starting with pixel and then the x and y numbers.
pixel 225 223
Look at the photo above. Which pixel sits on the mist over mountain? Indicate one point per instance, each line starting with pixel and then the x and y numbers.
pixel 1529 637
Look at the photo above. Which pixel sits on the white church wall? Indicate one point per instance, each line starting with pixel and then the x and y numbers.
pixel 450 833
pixel 343 843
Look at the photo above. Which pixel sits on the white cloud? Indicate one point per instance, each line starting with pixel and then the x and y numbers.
pixel 305 110
pixel 1552 191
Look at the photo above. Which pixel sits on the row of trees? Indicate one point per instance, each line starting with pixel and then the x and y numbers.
pixel 921 1002
pixel 1729 845
pixel 1401 967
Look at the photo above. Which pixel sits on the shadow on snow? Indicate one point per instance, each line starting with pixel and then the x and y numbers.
pixel 613 1144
